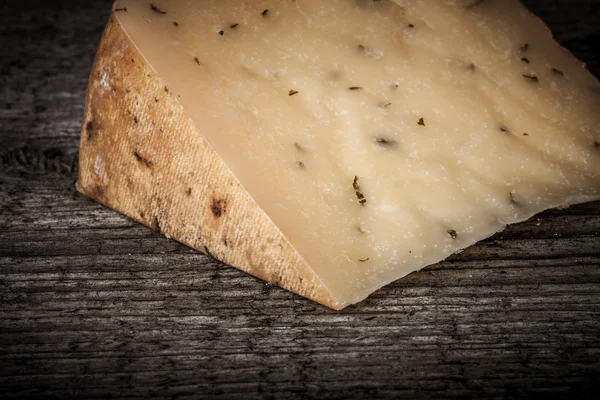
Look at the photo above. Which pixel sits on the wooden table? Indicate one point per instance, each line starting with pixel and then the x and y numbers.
pixel 93 305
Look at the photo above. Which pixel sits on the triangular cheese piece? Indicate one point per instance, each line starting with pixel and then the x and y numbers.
pixel 332 147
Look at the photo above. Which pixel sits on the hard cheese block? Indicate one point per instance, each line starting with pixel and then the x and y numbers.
pixel 332 147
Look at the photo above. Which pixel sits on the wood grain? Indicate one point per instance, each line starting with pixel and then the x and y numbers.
pixel 93 305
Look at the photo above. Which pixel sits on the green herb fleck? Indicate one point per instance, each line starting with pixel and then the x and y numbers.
pixel 292 92
pixel 354 88
pixel 362 260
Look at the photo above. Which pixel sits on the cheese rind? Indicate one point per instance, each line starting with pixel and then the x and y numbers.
pixel 141 155
pixel 378 137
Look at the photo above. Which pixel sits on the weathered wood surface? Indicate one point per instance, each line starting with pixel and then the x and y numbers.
pixel 93 305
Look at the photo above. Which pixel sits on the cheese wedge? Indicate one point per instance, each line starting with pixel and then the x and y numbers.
pixel 332 147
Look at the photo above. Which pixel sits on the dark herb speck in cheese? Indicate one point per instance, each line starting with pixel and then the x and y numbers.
pixel 221 32
pixel 175 23
pixel 596 145
pixel 532 78
pixel 156 9
pixel 355 88
pixel 421 122
pixel 525 60
pixel 121 9
pixel 557 72
pixel 233 26
pixel 386 143
pixel 292 92
pixel 452 233
pixel 197 60
pixel 361 198
pixel 355 183
pixel 264 12
pixel 359 195
pixel 524 48
pixel 362 260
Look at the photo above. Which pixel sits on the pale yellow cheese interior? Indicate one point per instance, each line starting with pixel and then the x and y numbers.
pixel 457 118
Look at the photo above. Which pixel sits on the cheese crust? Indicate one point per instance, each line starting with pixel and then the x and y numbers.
pixel 142 156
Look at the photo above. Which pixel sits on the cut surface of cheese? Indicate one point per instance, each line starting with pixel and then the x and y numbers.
pixel 369 138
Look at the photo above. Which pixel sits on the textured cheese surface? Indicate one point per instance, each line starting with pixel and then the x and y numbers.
pixel 380 136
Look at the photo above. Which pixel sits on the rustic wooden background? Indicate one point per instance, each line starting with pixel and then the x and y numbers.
pixel 93 305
